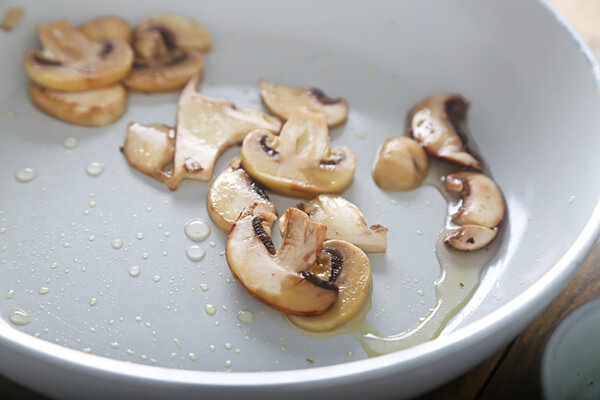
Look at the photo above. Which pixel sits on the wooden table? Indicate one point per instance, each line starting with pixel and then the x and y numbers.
pixel 513 372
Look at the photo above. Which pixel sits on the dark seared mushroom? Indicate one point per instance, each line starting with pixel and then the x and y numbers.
pixel 280 278
pixel 298 162
pixel 436 124
pixel 281 100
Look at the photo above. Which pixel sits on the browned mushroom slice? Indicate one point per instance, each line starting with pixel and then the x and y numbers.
pixel 435 123
pixel 299 162
pixel 150 149
pixel 281 100
pixel 175 31
pixel 205 127
pixel 345 221
pixel 401 165
pixel 281 278
pixel 71 61
pixel 164 74
pixel 481 211
pixel 232 192
pixel 352 276
pixel 107 27
pixel 94 107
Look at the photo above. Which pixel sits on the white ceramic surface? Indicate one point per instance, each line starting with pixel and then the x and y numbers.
pixel 534 117
pixel 570 366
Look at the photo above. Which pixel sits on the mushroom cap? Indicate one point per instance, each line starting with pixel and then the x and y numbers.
pixel 93 107
pixel 281 100
pixel 178 31
pixel 206 126
pixel 435 123
pixel 401 164
pixel 353 281
pixel 107 27
pixel 150 148
pixel 71 61
pixel 232 192
pixel 346 222
pixel 279 278
pixel 298 162
pixel 167 73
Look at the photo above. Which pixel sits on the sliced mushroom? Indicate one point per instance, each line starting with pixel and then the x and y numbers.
pixel 94 107
pixel 166 73
pixel 280 278
pixel 481 212
pixel 107 27
pixel 176 31
pixel 71 61
pixel 401 165
pixel 232 192
pixel 345 221
pixel 205 127
pixel 298 162
pixel 150 149
pixel 281 100
pixel 353 277
pixel 436 124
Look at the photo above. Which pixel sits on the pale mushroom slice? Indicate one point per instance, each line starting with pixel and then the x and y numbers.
pixel 345 221
pixel 401 165
pixel 205 128
pixel 176 31
pixel 349 268
pixel 281 278
pixel 150 149
pixel 299 162
pixel 94 107
pixel 281 100
pixel 480 213
pixel 232 192
pixel 107 27
pixel 71 61
pixel 436 124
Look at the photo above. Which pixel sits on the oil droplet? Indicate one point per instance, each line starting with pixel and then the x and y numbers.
pixel 210 309
pixel 212 244
pixel 94 169
pixel 419 232
pixel 54 265
pixel 43 290
pixel 192 356
pixel 350 354
pixel 212 347
pixel 420 292
pixel 134 271
pixel 245 316
pixel 19 317
pixel 228 346
pixel 130 352
pixel 70 142
pixel 93 301
pixel 116 243
pixel 571 200
pixel 197 229
pixel 149 209
pixel 139 318
pixel 25 175
pixel 10 294
pixel 204 287
pixel 228 364
pixel 177 343
pixel 156 278
pixel 92 204
pixel 145 255
pixel 139 235
pixel 195 253
pixel 91 238
pixel 115 345
pixel 2 230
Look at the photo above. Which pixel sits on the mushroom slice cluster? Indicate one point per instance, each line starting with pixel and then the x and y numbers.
pixel 231 192
pixel 107 27
pixel 150 149
pixel 480 213
pixel 349 268
pixel 169 53
pixel 281 278
pixel 299 162
pixel 281 100
pixel 345 221
pixel 71 61
pixel 205 127
pixel 436 124
pixel 401 165
pixel 94 107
